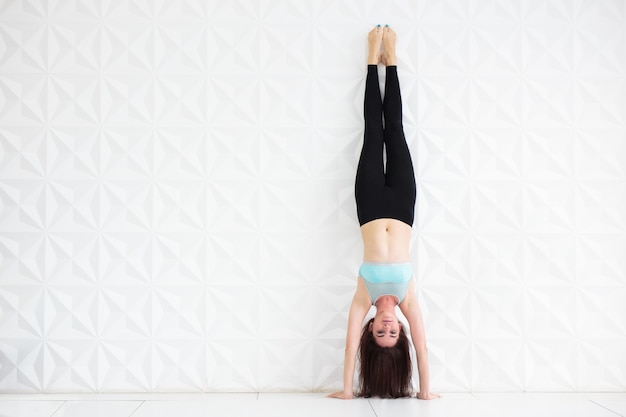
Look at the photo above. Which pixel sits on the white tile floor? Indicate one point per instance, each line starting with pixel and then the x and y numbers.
pixel 288 405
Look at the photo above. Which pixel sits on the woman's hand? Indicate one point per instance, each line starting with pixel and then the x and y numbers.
pixel 428 395
pixel 341 395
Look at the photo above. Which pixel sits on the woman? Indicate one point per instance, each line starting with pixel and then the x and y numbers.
pixel 385 207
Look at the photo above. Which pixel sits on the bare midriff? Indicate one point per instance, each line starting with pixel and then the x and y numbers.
pixel 386 240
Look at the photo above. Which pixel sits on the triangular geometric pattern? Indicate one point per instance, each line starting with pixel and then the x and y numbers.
pixel 177 192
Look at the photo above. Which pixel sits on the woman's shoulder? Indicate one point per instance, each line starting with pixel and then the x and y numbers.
pixel 410 296
pixel 361 295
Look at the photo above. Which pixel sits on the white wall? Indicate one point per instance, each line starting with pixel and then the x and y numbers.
pixel 176 191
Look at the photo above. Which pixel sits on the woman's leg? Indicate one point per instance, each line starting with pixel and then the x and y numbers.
pixel 400 177
pixel 370 174
pixel 399 165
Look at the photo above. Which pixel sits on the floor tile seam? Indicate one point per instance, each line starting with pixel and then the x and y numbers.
pixel 606 408
pixel 63 403
pixel 372 407
pixel 137 408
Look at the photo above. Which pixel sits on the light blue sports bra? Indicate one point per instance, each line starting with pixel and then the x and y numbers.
pixel 386 279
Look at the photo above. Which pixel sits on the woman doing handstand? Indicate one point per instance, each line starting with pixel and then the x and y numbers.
pixel 385 206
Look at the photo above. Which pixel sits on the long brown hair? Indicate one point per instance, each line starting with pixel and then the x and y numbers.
pixel 385 371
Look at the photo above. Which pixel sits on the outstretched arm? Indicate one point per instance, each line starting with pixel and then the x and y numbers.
pixel 358 309
pixel 411 310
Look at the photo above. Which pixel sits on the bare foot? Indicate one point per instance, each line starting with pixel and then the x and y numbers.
pixel 374 40
pixel 389 43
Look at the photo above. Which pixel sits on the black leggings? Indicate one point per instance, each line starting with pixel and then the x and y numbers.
pixel 379 194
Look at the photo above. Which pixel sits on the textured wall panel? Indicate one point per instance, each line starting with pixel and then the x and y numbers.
pixel 176 191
